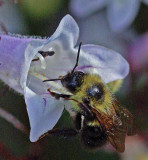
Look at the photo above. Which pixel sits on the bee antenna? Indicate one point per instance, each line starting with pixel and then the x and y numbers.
pixel 77 57
pixel 51 80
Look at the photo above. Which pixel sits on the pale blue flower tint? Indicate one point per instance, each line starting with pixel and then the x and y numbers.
pixel 83 8
pixel 16 55
pixel 11 18
pixel 120 13
pixel 103 35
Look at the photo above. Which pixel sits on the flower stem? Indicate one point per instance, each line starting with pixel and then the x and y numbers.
pixel 11 119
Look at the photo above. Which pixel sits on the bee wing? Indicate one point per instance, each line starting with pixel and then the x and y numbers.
pixel 128 120
pixel 116 122
pixel 116 135
pixel 117 139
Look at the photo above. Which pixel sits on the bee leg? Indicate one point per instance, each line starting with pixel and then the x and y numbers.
pixel 65 133
pixel 86 109
pixel 78 121
pixel 57 95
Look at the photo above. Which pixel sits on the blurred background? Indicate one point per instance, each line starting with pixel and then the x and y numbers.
pixel 41 18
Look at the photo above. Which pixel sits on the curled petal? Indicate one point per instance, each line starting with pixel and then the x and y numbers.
pixel 43 113
pixel 62 42
pixel 67 30
pixel 121 13
pixel 83 8
pixel 30 51
pixel 108 64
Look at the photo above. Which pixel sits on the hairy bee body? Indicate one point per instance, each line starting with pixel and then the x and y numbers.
pixel 92 135
pixel 101 100
pixel 96 113
pixel 101 118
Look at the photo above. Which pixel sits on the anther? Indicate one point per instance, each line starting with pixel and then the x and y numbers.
pixel 43 62
pixel 46 53
pixel 41 55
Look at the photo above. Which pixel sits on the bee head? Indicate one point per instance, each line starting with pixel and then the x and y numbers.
pixel 72 81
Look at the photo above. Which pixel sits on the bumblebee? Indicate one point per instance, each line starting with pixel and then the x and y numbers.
pixel 97 116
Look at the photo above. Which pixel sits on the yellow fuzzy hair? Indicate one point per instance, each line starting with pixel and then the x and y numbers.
pixel 103 104
pixel 115 85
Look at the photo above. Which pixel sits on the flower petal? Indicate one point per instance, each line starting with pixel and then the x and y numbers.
pixel 43 113
pixel 62 42
pixel 83 8
pixel 103 35
pixel 68 30
pixel 30 51
pixel 121 13
pixel 11 59
pixel 108 64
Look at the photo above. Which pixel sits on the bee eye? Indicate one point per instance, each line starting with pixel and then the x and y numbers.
pixel 95 91
pixel 73 81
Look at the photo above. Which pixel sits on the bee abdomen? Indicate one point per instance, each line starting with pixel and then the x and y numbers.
pixel 93 137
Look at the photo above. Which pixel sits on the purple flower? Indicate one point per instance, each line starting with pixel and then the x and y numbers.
pixel 138 53
pixel 25 76
pixel 120 13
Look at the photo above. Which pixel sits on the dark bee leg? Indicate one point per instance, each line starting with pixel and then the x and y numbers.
pixel 65 133
pixel 78 121
pixel 57 95
pixel 85 108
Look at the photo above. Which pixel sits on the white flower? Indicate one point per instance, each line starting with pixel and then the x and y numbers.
pixel 120 13
pixel 25 76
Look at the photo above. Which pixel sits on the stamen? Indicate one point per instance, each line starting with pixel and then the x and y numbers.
pixel 53 84
pixel 41 56
pixel 43 62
